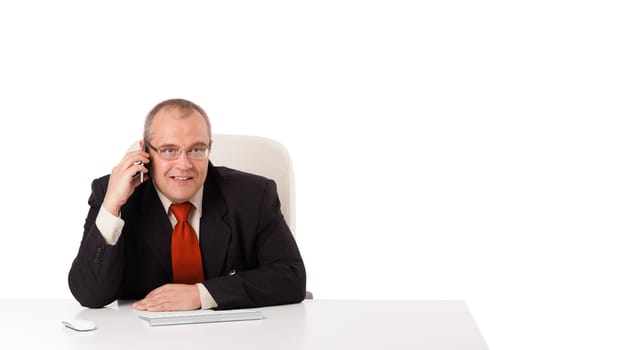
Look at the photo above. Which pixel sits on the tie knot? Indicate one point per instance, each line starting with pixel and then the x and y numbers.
pixel 181 210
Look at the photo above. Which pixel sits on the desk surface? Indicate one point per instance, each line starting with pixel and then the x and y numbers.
pixel 313 324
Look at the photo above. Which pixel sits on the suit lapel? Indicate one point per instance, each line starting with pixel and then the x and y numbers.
pixel 156 227
pixel 214 231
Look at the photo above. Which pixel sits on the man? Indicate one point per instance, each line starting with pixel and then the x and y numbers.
pixel 187 235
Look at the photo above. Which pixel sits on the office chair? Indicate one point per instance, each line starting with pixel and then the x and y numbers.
pixel 261 156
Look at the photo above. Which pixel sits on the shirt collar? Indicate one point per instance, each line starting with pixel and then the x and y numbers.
pixel 196 200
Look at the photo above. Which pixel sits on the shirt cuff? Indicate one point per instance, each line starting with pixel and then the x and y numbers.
pixel 207 301
pixel 109 225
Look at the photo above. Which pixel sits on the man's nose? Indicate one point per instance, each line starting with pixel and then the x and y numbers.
pixel 183 162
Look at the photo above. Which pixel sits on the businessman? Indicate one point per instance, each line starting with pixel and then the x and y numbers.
pixel 174 232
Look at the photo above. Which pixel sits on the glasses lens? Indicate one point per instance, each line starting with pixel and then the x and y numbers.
pixel 197 153
pixel 170 153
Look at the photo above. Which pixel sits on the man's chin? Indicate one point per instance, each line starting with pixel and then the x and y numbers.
pixel 180 195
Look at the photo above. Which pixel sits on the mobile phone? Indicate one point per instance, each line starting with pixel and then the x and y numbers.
pixel 141 173
pixel 145 149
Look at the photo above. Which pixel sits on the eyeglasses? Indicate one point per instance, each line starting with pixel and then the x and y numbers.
pixel 172 153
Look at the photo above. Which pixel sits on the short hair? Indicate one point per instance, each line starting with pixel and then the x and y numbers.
pixel 186 108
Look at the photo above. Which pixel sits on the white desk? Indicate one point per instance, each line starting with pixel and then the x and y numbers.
pixel 313 324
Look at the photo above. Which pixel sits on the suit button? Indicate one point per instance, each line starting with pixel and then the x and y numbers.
pixel 98 255
pixel 232 272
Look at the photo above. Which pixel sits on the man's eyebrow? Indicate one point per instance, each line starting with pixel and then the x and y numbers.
pixel 196 144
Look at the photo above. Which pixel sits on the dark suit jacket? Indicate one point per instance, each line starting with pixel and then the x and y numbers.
pixel 249 255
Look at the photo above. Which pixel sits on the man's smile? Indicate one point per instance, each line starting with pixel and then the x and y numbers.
pixel 181 178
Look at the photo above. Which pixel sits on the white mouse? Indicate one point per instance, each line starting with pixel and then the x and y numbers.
pixel 79 325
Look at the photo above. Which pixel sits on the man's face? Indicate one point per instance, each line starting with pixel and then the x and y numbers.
pixel 181 178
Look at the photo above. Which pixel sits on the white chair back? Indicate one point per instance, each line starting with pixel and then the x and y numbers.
pixel 260 156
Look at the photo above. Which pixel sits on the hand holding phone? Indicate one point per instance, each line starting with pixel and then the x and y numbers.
pixel 122 182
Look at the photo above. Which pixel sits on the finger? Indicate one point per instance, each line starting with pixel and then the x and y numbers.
pixel 144 304
pixel 139 305
pixel 138 167
pixel 135 160
pixel 134 156
pixel 161 307
pixel 159 304
pixel 134 169
pixel 136 181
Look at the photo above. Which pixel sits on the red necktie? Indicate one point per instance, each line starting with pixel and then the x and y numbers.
pixel 185 253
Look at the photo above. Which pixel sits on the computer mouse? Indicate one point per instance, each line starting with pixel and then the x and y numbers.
pixel 79 325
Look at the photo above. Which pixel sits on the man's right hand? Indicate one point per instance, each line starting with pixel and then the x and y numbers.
pixel 124 179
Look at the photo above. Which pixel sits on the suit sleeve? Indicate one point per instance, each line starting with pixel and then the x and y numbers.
pixel 96 271
pixel 279 276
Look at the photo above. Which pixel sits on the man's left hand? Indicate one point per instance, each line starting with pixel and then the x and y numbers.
pixel 171 297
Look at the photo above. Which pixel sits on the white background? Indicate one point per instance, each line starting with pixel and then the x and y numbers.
pixel 475 150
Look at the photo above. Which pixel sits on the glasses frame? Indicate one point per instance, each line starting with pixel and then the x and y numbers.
pixel 180 151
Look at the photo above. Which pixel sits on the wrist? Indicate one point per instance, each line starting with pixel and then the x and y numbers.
pixel 113 208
